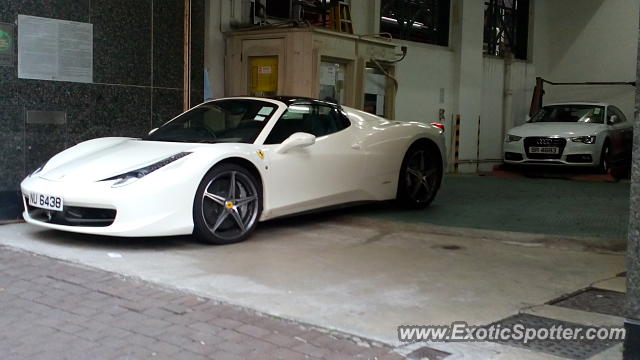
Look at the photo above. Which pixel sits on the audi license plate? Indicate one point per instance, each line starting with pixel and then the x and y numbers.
pixel 544 150
pixel 49 202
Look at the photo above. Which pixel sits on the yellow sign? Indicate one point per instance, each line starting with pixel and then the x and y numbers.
pixel 263 75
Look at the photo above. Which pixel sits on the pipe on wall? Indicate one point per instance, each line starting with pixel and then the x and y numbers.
pixel 507 102
pixel 186 79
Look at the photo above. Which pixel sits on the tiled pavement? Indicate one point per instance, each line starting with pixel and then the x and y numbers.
pixel 50 309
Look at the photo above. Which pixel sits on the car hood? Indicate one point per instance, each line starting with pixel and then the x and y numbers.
pixel 97 161
pixel 556 129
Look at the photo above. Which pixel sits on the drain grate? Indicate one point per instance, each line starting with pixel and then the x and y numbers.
pixel 576 349
pixel 427 353
pixel 594 300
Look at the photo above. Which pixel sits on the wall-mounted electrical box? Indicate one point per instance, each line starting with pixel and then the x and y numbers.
pixel 312 62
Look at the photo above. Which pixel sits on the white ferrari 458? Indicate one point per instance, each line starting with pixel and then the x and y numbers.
pixel 218 169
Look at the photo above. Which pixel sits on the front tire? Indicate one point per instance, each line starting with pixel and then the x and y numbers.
pixel 604 166
pixel 227 205
pixel 420 177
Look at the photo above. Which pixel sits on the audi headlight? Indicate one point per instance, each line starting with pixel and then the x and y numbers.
pixel 133 176
pixel 584 139
pixel 512 138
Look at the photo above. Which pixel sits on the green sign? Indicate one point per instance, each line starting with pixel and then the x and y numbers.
pixel 6 44
pixel 5 41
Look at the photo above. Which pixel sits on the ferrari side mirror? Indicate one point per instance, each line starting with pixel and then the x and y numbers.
pixel 152 131
pixel 296 140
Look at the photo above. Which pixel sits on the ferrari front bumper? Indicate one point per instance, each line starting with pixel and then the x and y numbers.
pixel 144 208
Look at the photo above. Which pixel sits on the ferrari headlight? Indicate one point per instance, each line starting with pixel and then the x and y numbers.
pixel 38 170
pixel 133 176
pixel 584 139
pixel 512 138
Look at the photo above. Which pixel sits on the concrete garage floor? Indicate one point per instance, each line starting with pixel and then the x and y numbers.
pixel 594 214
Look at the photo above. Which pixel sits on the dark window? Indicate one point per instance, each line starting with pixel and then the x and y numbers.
pixel 318 120
pixel 577 113
pixel 279 9
pixel 425 21
pixel 612 110
pixel 506 28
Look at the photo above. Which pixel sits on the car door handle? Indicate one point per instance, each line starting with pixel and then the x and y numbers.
pixel 356 146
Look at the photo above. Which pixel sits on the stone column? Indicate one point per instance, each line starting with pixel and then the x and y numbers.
pixel 632 323
pixel 467 28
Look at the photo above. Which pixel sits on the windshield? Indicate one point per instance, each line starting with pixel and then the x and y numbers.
pixel 571 114
pixel 236 120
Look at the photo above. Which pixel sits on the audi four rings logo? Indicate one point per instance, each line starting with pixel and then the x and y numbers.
pixel 545 141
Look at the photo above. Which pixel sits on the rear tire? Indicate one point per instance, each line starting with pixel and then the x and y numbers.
pixel 227 205
pixel 420 177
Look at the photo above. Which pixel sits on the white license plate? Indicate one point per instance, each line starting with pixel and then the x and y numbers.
pixel 544 150
pixel 49 202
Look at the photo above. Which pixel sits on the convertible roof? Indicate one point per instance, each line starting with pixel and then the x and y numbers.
pixel 287 100
pixel 290 100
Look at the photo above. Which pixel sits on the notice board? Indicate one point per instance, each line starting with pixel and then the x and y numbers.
pixel 50 49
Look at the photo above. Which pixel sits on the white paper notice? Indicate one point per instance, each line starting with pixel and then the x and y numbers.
pixel 375 84
pixel 327 75
pixel 380 105
pixel 50 49
pixel 265 110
